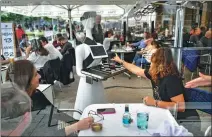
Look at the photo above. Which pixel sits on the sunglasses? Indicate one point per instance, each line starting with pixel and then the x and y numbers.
pixel 96 116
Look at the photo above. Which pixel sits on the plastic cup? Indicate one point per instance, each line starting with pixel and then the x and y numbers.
pixel 142 120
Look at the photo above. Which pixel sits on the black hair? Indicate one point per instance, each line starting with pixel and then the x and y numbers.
pixel 43 39
pixel 24 36
pixel 59 35
pixel 108 32
pixel 61 38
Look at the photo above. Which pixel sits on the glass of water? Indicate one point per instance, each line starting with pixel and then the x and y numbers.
pixel 142 120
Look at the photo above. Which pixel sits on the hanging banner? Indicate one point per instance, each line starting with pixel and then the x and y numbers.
pixel 8 41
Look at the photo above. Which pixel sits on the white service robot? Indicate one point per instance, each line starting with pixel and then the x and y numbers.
pixel 87 94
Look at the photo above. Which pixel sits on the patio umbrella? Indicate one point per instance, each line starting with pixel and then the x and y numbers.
pixel 65 11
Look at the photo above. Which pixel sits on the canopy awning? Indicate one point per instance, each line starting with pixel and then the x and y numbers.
pixel 66 2
pixel 62 10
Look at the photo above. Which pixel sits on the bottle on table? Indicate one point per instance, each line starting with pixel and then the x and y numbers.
pixel 126 117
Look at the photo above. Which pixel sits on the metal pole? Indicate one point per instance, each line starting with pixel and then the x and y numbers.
pixel 177 52
pixel 70 24
pixel 1 50
pixel 179 61
pixel 127 21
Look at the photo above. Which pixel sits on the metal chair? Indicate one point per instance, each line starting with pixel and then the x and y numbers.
pixel 201 100
pixel 205 61
pixel 60 111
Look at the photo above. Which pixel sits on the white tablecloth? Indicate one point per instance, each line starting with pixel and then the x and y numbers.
pixel 112 123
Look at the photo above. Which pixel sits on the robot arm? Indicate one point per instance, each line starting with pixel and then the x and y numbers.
pixel 80 56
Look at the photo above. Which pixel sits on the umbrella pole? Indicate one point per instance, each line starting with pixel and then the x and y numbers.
pixel 70 24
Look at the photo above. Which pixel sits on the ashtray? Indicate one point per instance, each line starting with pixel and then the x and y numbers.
pixel 96 127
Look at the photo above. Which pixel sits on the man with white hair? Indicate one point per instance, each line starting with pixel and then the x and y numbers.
pixel 97 30
pixel 207 39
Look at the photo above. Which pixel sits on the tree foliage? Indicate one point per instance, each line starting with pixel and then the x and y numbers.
pixel 11 17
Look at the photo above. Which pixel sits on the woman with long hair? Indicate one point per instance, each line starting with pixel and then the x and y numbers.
pixel 23 74
pixel 168 87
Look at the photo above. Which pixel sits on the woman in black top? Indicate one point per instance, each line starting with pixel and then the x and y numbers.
pixel 169 89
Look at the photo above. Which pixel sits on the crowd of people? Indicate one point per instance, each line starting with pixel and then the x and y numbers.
pixel 198 36
pixel 24 75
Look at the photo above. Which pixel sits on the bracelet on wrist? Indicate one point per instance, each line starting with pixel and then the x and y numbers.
pixel 122 62
pixel 156 103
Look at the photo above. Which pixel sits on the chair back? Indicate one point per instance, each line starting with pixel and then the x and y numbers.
pixel 200 99
pixel 51 71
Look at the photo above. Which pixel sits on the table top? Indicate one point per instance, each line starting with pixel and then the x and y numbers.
pixel 43 87
pixel 112 123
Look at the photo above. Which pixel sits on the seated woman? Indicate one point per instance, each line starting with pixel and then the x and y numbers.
pixel 147 53
pixel 138 56
pixel 108 38
pixel 25 76
pixel 169 89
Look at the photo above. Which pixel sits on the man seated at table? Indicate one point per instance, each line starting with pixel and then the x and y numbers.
pixel 55 42
pixel 39 57
pixel 65 45
pixel 194 38
pixel 141 44
pixel 207 39
pixel 53 52
pixel 24 43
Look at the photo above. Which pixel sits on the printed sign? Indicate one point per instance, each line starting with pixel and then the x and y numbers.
pixel 8 40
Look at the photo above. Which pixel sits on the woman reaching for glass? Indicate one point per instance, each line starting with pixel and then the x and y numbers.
pixel 169 87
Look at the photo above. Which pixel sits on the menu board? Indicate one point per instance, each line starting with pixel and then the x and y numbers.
pixel 8 42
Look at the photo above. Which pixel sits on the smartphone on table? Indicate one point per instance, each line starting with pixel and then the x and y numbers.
pixel 106 111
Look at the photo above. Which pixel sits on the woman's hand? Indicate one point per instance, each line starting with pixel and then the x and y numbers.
pixel 203 80
pixel 149 101
pixel 84 123
pixel 80 125
pixel 117 59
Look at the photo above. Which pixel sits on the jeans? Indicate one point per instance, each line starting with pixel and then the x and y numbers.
pixel 138 60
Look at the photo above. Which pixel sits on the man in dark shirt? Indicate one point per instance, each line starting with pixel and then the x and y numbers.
pixel 207 39
pixel 65 45
pixel 24 43
pixel 97 31
pixel 195 37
